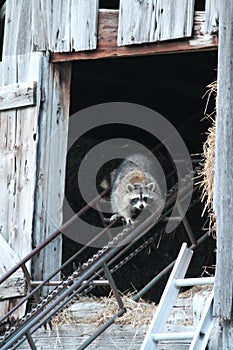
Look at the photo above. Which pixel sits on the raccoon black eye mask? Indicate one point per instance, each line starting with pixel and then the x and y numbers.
pixel 147 200
pixel 134 188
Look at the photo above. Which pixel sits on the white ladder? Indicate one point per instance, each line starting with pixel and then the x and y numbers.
pixel 200 336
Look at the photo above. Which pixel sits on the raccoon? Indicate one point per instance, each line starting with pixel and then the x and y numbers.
pixel 134 189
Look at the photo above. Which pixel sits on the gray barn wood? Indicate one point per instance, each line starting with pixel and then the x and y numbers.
pixel 51 160
pixel 107 41
pixel 212 16
pixel 49 165
pixel 184 316
pixel 58 26
pixel 151 20
pixel 18 95
pixel 18 150
pixel 223 180
pixel 18 147
pixel 14 286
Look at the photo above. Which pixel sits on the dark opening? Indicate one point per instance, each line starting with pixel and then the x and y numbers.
pixel 106 4
pixel 173 85
pixel 199 5
pixel 114 4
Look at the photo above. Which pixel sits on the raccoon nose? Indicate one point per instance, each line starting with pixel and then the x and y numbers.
pixel 141 206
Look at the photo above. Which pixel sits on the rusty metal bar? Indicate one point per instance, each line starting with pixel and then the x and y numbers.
pixel 101 329
pixel 134 234
pixel 138 232
pixel 30 341
pixel 113 286
pixel 136 298
pixel 56 283
pixel 52 275
pixel 51 237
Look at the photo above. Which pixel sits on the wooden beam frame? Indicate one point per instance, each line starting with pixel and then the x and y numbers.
pixel 107 41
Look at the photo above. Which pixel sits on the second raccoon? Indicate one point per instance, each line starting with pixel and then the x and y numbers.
pixel 134 189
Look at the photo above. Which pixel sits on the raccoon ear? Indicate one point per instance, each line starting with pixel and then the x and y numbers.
pixel 129 188
pixel 151 186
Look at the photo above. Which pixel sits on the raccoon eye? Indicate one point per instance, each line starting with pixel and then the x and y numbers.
pixel 134 200
pixel 147 200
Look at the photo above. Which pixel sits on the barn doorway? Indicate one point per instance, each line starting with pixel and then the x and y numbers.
pixel 174 86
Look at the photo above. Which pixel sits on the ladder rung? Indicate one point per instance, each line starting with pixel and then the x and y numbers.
pixel 188 282
pixel 172 336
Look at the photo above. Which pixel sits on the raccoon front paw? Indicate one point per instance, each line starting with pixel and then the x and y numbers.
pixel 114 217
pixel 129 221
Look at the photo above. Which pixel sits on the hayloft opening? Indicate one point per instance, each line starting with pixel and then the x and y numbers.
pixel 175 86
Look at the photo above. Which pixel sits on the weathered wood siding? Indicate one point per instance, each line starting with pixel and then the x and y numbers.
pixel 15 285
pixel 51 165
pixel 33 143
pixel 223 180
pixel 58 26
pixel 72 25
pixel 18 153
pixel 18 95
pixel 107 41
pixel 18 149
pixel 212 16
pixel 143 21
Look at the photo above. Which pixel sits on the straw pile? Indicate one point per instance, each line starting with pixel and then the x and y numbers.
pixel 207 171
pixel 138 313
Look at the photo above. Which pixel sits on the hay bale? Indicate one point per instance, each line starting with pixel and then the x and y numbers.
pixel 207 166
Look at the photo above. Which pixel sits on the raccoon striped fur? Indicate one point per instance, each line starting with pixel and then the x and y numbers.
pixel 134 188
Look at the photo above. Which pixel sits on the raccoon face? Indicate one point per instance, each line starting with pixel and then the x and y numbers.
pixel 140 196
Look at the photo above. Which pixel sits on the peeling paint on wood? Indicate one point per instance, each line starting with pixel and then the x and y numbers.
pixel 18 95
pixel 143 21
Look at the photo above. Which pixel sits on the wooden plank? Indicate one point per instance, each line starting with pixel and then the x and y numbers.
pixel 17 32
pixel 154 20
pixel 223 182
pixel 15 285
pixel 18 95
pixel 119 336
pixel 74 25
pixel 107 42
pixel 84 24
pixel 211 16
pixel 54 120
pixel 18 151
pixel 58 26
pixel 41 24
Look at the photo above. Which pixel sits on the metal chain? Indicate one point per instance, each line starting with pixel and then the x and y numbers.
pixel 113 270
pixel 67 282
pixel 129 257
